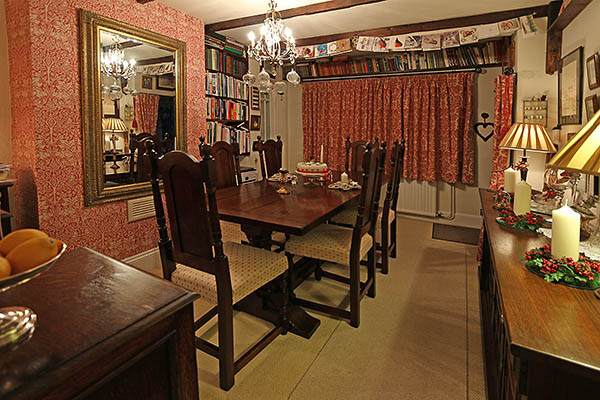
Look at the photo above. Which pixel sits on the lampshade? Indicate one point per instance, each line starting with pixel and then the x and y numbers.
pixel 113 124
pixel 582 153
pixel 528 137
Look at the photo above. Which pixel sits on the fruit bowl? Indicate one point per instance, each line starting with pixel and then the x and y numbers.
pixel 17 324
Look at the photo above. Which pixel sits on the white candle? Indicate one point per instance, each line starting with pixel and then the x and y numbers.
pixel 522 198
pixel 344 177
pixel 321 160
pixel 565 233
pixel 510 179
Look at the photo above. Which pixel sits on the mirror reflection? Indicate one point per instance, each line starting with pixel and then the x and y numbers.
pixel 138 104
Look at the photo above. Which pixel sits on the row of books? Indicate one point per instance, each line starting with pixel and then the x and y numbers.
pixel 464 56
pixel 226 109
pixel 215 132
pixel 219 61
pixel 221 85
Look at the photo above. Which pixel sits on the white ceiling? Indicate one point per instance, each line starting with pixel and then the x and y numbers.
pixel 377 15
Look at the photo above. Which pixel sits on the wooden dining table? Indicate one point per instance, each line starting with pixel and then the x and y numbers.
pixel 260 211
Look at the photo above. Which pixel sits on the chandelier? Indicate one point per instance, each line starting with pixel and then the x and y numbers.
pixel 113 63
pixel 276 45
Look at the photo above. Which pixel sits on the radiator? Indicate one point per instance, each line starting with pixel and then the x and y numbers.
pixel 417 197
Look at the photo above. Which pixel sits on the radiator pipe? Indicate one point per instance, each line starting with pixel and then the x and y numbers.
pixel 452 215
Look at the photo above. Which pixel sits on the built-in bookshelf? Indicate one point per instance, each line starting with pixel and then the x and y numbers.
pixel 487 54
pixel 227 107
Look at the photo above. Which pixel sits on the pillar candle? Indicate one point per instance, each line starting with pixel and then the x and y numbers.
pixel 321 160
pixel 344 177
pixel 522 198
pixel 510 179
pixel 565 233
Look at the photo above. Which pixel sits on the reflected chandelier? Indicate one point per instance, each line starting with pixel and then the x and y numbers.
pixel 113 63
pixel 276 43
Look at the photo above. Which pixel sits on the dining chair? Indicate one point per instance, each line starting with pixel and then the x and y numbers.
pixel 269 153
pixel 341 245
pixel 227 159
pixel 354 153
pixel 196 258
pixel 139 166
pixel 386 220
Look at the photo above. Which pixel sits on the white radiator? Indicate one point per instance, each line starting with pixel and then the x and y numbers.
pixel 417 197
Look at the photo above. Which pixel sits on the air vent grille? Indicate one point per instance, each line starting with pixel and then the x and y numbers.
pixel 140 208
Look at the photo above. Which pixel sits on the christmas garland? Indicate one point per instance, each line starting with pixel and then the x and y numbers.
pixel 583 274
pixel 526 222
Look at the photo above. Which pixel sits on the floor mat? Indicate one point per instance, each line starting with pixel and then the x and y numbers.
pixel 458 234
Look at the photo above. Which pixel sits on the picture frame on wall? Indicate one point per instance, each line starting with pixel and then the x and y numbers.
pixel 570 88
pixel 165 82
pixel 147 81
pixel 255 122
pixel 255 98
pixel 591 106
pixel 592 66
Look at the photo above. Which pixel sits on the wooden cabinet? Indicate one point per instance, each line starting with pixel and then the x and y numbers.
pixel 541 340
pixel 105 331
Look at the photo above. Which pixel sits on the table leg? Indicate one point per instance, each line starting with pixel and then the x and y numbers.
pixel 266 302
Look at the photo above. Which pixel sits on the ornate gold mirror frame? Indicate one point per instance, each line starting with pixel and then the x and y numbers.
pixel 91 24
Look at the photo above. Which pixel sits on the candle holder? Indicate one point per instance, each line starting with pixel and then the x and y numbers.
pixel 528 222
pixel 581 274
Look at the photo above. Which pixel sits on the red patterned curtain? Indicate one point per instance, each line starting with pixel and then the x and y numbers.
pixel 505 87
pixel 146 112
pixel 431 112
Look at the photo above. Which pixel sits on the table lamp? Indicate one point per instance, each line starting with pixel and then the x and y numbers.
pixel 581 154
pixel 522 136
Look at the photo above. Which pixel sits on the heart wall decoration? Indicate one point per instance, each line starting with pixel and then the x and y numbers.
pixel 483 125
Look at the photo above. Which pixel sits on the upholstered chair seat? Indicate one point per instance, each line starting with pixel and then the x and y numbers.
pixel 328 243
pixel 249 269
pixel 348 218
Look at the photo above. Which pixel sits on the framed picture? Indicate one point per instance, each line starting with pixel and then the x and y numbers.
pixel 255 98
pixel 592 66
pixel 570 88
pixel 165 82
pixel 147 81
pixel 110 108
pixel 255 122
pixel 591 106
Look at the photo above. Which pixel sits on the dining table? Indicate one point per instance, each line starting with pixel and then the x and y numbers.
pixel 261 210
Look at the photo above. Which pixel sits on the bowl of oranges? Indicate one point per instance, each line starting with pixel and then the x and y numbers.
pixel 24 254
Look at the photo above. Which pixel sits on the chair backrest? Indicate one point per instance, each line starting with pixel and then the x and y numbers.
pixel 355 152
pixel 189 187
pixel 396 170
pixel 368 202
pixel 227 158
pixel 269 153
pixel 139 166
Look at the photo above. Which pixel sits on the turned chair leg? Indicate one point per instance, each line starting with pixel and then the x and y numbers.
pixel 393 238
pixel 355 293
pixel 226 358
pixel 286 299
pixel 371 271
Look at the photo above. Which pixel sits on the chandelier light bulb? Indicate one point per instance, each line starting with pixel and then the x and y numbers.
pixel 287 32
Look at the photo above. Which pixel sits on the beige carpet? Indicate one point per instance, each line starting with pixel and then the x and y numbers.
pixel 418 339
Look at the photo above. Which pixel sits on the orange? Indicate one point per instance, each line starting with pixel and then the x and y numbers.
pixel 15 238
pixel 32 253
pixel 4 268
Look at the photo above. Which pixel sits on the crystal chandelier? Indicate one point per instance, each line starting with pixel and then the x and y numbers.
pixel 276 45
pixel 113 63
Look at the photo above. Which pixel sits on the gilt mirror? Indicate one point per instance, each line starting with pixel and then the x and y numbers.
pixel 133 91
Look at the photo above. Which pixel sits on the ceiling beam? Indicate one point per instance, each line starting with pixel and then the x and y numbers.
pixel 325 6
pixel 144 1
pixel 158 60
pixel 540 11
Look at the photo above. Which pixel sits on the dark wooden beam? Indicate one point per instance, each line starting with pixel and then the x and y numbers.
pixel 144 1
pixel 449 23
pixel 158 60
pixel 325 6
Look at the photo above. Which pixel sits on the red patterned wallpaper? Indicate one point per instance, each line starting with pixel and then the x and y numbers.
pixel 47 139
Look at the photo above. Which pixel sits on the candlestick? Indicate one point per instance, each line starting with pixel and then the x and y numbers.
pixel 522 198
pixel 321 153
pixel 510 179
pixel 565 233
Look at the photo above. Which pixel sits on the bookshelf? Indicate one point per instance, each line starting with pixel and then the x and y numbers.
pixel 487 54
pixel 227 96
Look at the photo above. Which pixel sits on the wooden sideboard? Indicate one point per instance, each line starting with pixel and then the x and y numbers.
pixel 541 340
pixel 105 330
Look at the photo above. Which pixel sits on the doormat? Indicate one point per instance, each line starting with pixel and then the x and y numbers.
pixel 455 234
